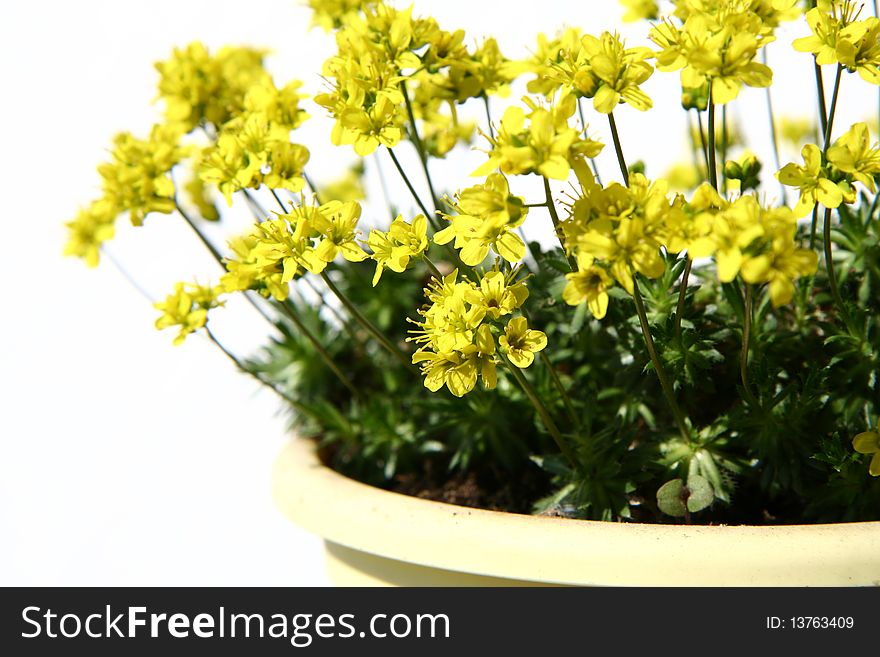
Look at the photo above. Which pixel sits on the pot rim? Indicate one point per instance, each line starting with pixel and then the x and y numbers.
pixel 562 550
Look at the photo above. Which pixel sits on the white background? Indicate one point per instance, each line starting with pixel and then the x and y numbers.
pixel 124 460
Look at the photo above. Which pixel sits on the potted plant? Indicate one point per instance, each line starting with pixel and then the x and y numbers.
pixel 686 372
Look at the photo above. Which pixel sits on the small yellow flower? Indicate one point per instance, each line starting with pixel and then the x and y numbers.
pixel 187 308
pixel 868 442
pixel 395 248
pixel 521 343
pixel 92 227
pixel 813 182
pixel 589 283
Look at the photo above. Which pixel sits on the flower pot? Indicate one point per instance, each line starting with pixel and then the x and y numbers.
pixel 378 537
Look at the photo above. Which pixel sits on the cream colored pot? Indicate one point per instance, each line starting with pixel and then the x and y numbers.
pixel 375 537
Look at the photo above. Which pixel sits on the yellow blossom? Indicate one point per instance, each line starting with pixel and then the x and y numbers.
pixel 868 442
pixel 187 308
pixel 520 343
pixel 92 227
pixel 395 248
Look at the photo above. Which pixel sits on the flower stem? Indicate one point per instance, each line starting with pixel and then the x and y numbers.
pixel 623 170
pixel 432 267
pixel 831 111
pixel 658 366
pixel 241 367
pixel 420 147
pixel 832 277
pixel 820 92
pixel 551 207
pixel 703 143
pixel 551 427
pixel 488 116
pixel 744 354
pixel 430 216
pixel 290 312
pixel 366 323
pixel 710 147
pixel 682 293
pixel 591 159
pixel 312 186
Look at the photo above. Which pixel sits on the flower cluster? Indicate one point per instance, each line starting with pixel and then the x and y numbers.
pixel 200 88
pixel 278 250
pixel 601 68
pixel 253 148
pixel 398 245
pixel 547 146
pixel 839 38
pixel 187 308
pixel 828 179
pixel 715 44
pixel 457 334
pixel 487 216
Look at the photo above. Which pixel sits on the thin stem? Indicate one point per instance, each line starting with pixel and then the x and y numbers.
pixel 592 160
pixel 820 91
pixel 367 324
pixel 284 208
pixel 551 207
pixel 710 147
pixel 773 136
pixel 623 170
pixel 488 116
pixel 695 147
pixel 551 427
pixel 723 150
pixel 412 190
pixel 289 311
pixel 557 382
pixel 432 267
pixel 682 293
pixel 814 226
pixel 312 186
pixel 744 354
pixel 333 310
pixel 219 258
pixel 255 204
pixel 658 366
pixel 703 140
pixel 241 367
pixel 420 147
pixel 834 95
pixel 832 277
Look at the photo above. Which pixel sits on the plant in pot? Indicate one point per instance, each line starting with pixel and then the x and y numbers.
pixel 678 386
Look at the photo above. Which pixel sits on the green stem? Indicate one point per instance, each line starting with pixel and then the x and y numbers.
pixel 551 207
pixel 367 324
pixel 682 293
pixel 831 111
pixel 832 277
pixel 488 116
pixel 592 160
pixel 744 354
pixel 658 366
pixel 420 147
pixel 710 147
pixel 218 257
pixel 235 361
pixel 255 204
pixel 623 170
pixel 557 382
pixel 820 91
pixel 312 186
pixel 430 216
pixel 551 427
pixel 703 140
pixel 290 312
pixel 723 150
pixel 814 226
pixel 284 208
pixel 432 267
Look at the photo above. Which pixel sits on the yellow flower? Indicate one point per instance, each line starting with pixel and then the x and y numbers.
pixel 396 247
pixel 813 182
pixel 138 179
pixel 589 283
pixel 521 343
pixel 489 216
pixel 854 155
pixel 610 73
pixel 496 295
pixel 92 227
pixel 868 442
pixel 187 308
pixel 333 14
pixel 548 146
pixel 336 225
pixel 832 24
